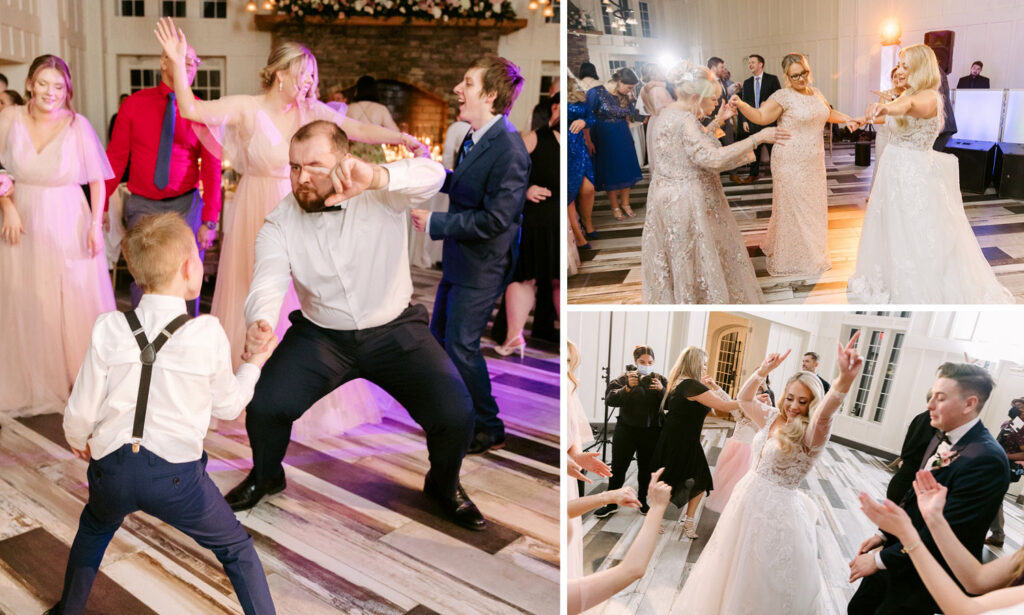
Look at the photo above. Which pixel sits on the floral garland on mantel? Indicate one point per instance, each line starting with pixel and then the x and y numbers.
pixel 443 10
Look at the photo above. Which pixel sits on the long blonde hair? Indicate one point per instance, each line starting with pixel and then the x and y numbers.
pixel 922 74
pixel 690 364
pixel 796 58
pixel 572 363
pixel 574 92
pixel 292 57
pixel 791 435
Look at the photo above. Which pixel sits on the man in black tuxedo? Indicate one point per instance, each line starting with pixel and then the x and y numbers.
pixel 919 436
pixel 965 458
pixel 756 90
pixel 809 363
pixel 949 127
pixel 974 81
pixel 480 230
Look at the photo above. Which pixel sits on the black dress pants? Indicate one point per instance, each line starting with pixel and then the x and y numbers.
pixel 400 357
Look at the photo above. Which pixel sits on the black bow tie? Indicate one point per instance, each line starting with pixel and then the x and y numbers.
pixel 333 208
pixel 943 437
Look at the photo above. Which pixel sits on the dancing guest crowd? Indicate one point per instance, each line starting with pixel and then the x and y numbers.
pixel 700 124
pixel 926 556
pixel 304 198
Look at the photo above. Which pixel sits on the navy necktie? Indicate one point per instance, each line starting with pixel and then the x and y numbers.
pixel 467 144
pixel 162 173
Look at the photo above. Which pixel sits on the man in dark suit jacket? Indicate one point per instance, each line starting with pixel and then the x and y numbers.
pixel 974 81
pixel 756 90
pixel 809 363
pixel 974 469
pixel 919 436
pixel 480 230
pixel 717 67
pixel 949 120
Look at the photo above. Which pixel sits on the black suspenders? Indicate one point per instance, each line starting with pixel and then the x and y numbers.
pixel 147 356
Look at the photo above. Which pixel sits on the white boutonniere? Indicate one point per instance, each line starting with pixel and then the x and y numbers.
pixel 943 458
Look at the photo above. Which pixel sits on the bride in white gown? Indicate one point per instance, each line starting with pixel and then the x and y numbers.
pixel 763 556
pixel 917 245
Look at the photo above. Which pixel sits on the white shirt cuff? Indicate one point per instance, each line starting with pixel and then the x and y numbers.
pixel 878 560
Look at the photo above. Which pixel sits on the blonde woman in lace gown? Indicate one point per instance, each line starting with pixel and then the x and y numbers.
pixel 53 273
pixel 797 242
pixel 917 245
pixel 692 248
pixel 762 558
pixel 254 132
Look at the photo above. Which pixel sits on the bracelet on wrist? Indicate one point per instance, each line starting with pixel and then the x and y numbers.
pixel 907 549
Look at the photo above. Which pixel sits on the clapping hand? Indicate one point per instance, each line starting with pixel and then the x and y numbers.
pixel 772 361
pixel 589 461
pixel 172 39
pixel 931 496
pixel 888 517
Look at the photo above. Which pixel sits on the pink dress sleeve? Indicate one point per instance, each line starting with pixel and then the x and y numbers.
pixel 93 158
pixel 320 111
pixel 225 128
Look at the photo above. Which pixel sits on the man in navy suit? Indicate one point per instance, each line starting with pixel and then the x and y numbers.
pixel 486 193
pixel 965 458
pixel 757 89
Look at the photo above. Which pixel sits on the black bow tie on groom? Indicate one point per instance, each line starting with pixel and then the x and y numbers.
pixel 333 208
pixel 943 437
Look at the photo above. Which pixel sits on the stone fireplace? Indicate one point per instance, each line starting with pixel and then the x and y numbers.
pixel 416 63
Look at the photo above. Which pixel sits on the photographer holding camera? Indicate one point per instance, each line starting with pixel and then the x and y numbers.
pixel 637 393
pixel 1011 438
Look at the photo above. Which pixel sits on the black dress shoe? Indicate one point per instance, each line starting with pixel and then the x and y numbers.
pixel 459 509
pixel 483 442
pixel 248 493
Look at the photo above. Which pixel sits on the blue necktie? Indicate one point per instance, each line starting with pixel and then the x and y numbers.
pixel 467 144
pixel 163 156
pixel 757 92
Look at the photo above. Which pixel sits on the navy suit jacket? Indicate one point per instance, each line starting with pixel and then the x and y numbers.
pixel 977 480
pixel 486 191
pixel 769 85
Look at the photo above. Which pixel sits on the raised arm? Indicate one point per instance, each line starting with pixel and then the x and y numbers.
pixel 768 112
pixel 225 110
pixel 751 408
pixel 850 363
pixel 977 578
pixel 591 590
pixel 951 599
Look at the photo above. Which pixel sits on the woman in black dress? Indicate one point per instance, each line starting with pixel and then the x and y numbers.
pixel 690 396
pixel 539 241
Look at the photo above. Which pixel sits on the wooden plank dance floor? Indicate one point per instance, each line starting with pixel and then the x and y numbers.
pixel 838 476
pixel 352 533
pixel 610 273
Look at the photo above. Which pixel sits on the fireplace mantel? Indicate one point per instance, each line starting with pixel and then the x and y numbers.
pixel 271 22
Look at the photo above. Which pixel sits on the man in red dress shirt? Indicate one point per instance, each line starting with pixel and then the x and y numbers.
pixel 167 160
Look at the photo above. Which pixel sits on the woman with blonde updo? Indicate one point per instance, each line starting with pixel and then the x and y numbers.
pixel 797 242
pixel 692 248
pixel 53 274
pixel 917 245
pixel 763 555
pixel 254 132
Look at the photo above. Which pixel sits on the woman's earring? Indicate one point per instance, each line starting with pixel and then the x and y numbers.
pixel 280 86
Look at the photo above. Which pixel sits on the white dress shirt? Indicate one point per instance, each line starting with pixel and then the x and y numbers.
pixel 351 267
pixel 192 380
pixel 954 436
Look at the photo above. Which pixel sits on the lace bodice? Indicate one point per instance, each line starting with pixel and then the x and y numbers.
pixel 772 465
pixel 918 133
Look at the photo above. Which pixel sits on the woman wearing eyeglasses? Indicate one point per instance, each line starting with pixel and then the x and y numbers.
pixel 797 241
